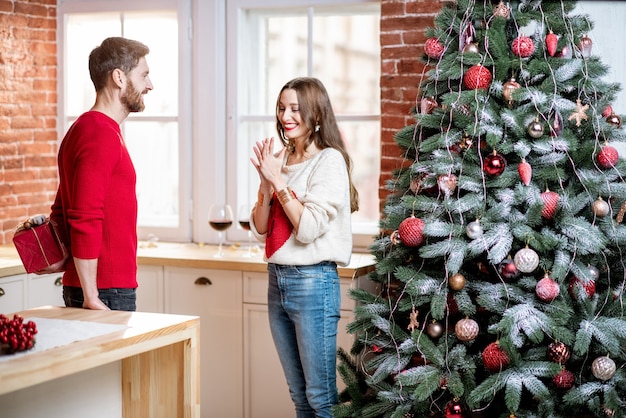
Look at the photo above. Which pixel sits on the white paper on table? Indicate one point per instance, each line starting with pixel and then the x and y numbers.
pixel 53 333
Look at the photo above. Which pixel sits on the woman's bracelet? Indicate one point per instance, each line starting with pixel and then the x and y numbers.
pixel 285 195
pixel 262 200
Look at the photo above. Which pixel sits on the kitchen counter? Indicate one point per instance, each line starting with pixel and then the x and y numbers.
pixel 157 352
pixel 196 256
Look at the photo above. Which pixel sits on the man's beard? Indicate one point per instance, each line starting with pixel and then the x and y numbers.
pixel 132 99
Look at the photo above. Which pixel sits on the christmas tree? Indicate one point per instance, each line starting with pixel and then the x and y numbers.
pixel 500 272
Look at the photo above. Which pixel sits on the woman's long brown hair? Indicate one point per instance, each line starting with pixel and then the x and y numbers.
pixel 316 111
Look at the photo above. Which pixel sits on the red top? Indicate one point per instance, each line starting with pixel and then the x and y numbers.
pixel 96 203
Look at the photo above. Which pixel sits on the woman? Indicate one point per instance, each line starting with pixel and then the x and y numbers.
pixel 302 214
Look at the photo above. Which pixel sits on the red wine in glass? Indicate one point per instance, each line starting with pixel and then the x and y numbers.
pixel 245 225
pixel 221 225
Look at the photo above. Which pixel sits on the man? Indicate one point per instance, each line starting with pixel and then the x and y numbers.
pixel 96 203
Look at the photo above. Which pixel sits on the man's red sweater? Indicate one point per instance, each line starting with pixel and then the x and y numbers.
pixel 96 203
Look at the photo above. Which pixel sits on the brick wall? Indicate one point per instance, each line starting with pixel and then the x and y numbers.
pixel 28 136
pixel 402 44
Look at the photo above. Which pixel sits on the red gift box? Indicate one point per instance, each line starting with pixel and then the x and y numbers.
pixel 38 246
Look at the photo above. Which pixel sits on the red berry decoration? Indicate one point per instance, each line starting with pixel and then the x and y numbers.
pixel 16 335
pixel 564 379
pixel 551 41
pixel 494 164
pixel 576 286
pixel 433 48
pixel 523 46
pixel 525 172
pixel 495 358
pixel 550 201
pixel 607 157
pixel 411 231
pixel 547 289
pixel 477 77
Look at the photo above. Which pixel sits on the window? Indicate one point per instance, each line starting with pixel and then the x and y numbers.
pixel 339 44
pixel 152 136
pixel 216 73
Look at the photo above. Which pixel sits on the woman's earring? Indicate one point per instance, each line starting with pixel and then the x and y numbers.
pixel 317 128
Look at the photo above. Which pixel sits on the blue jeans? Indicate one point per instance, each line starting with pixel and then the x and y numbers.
pixel 303 305
pixel 115 299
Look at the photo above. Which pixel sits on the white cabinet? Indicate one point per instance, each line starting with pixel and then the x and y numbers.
pixel 265 390
pixel 46 289
pixel 216 297
pixel 12 293
pixel 150 289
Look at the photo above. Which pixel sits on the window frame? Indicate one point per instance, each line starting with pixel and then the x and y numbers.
pixel 362 238
pixel 183 9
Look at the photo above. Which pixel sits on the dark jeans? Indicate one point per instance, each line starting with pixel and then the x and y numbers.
pixel 115 299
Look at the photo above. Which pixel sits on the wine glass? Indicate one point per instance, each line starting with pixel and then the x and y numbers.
pixel 244 223
pixel 220 219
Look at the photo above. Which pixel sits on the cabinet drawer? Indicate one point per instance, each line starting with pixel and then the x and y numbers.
pixel 12 293
pixel 255 290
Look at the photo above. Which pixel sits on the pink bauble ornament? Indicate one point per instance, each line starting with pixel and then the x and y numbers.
pixel 466 329
pixel 507 91
pixel 585 45
pixel 433 48
pixel 547 289
pixel 525 172
pixel 411 231
pixel 608 109
pixel 526 260
pixel 603 368
pixel 494 164
pixel 447 183
pixel 477 77
pixel 550 200
pixel 508 269
pixel 523 46
pixel 607 157
pixel 427 104
pixel 495 358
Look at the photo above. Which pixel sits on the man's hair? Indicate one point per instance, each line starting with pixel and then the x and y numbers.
pixel 114 52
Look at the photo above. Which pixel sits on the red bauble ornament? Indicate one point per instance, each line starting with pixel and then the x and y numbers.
pixel 550 201
pixel 411 231
pixel 477 77
pixel 608 109
pixel 494 164
pixel 558 352
pixel 563 379
pixel 576 286
pixel 454 410
pixel 466 329
pixel 607 157
pixel 495 358
pixel 551 41
pixel 547 289
pixel 508 269
pixel 523 46
pixel 525 172
pixel 433 48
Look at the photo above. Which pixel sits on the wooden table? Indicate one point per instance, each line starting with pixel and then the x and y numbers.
pixel 159 356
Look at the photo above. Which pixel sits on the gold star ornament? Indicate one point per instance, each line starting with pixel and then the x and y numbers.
pixel 580 113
